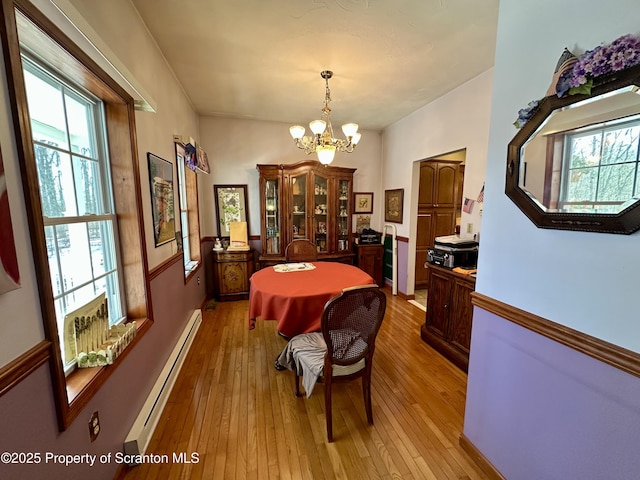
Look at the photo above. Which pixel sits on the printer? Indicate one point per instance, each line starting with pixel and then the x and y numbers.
pixel 452 251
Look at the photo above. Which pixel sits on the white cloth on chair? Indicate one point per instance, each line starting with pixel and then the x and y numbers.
pixel 305 354
pixel 309 365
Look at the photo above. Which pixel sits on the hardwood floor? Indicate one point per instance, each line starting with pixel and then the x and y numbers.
pixel 241 419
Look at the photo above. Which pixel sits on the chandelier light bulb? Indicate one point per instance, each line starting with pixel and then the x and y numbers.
pixel 356 138
pixel 318 126
pixel 326 153
pixel 349 129
pixel 297 131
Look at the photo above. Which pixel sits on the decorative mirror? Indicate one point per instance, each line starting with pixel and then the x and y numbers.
pixel 575 162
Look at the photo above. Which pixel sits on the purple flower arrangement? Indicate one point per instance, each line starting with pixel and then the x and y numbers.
pixel 525 114
pixel 622 53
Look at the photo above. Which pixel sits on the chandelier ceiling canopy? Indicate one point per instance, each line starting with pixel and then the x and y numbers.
pixel 323 142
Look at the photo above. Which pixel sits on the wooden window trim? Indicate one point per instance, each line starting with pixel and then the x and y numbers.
pixel 72 394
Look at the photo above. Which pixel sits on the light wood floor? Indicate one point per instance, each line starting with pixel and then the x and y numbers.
pixel 241 417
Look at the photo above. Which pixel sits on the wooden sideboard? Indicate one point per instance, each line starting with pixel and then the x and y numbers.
pixel 231 273
pixel 369 258
pixel 447 326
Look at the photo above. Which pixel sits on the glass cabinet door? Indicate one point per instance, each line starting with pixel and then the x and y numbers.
pixel 272 217
pixel 299 206
pixel 320 213
pixel 344 214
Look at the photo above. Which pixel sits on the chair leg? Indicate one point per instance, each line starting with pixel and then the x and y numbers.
pixel 366 392
pixel 327 407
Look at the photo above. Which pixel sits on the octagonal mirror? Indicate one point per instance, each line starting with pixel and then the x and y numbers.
pixel 575 164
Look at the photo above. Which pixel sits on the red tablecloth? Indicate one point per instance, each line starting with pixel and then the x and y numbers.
pixel 296 299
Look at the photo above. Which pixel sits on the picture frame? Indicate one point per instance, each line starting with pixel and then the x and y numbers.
pixel 231 206
pixel 393 205
pixel 362 202
pixel 162 199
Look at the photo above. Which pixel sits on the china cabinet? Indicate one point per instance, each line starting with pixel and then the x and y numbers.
pixel 306 200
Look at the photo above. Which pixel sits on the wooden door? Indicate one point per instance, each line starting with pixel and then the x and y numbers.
pixel 437 209
pixel 424 234
pixel 459 334
pixel 446 185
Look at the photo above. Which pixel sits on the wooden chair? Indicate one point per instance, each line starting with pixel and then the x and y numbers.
pixel 301 250
pixel 350 324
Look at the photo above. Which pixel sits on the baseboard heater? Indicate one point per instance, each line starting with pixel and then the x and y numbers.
pixel 138 439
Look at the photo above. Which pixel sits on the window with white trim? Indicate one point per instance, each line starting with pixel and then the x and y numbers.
pixel 78 211
pixel 188 203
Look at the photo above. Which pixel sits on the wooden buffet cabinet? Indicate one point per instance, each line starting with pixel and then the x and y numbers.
pixel 306 200
pixel 447 327
pixel 231 273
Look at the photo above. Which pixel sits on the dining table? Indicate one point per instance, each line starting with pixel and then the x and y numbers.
pixel 294 295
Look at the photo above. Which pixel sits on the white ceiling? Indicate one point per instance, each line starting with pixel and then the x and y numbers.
pixel 262 59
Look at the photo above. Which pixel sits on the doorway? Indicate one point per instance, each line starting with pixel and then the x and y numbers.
pixel 439 208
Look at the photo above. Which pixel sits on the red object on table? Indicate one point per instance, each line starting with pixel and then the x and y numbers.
pixel 296 299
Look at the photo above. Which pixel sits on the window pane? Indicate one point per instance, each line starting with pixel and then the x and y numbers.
pixel 46 110
pixel 103 256
pixel 110 285
pixel 56 183
pixel 52 254
pixel 616 182
pixel 80 119
pixel 585 151
pixel 75 259
pixel 87 186
pixel 620 145
pixel 582 185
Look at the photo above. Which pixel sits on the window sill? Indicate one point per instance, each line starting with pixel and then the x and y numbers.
pixel 84 383
pixel 190 273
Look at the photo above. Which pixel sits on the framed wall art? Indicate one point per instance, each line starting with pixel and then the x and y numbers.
pixel 162 199
pixel 231 206
pixel 363 202
pixel 393 203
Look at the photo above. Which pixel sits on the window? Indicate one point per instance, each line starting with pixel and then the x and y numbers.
pixel 79 219
pixel 188 202
pixel 76 200
pixel 601 168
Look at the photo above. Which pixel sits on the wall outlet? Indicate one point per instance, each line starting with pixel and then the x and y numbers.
pixel 469 227
pixel 94 426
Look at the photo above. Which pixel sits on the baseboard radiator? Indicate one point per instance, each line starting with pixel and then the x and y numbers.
pixel 138 439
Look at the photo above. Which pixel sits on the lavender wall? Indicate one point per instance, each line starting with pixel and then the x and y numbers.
pixel 539 410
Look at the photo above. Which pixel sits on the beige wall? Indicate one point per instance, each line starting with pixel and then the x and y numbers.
pixel 236 146
pixel 456 121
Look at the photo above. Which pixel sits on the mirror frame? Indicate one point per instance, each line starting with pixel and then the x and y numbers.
pixel 626 221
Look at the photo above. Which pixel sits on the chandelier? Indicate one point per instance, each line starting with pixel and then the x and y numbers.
pixel 322 142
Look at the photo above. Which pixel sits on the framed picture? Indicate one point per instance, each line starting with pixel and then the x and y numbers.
pixel 231 206
pixel 363 202
pixel 393 203
pixel 162 199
